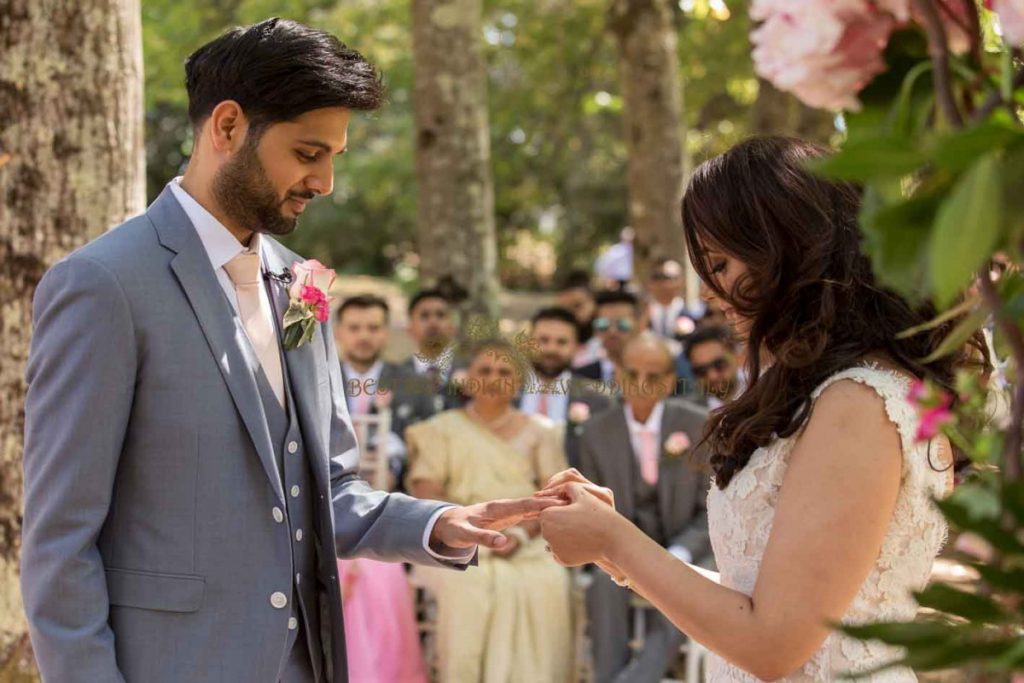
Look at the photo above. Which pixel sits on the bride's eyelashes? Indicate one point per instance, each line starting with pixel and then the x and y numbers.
pixel 718 268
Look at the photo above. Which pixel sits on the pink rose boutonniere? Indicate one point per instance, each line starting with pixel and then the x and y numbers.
pixel 676 444
pixel 308 304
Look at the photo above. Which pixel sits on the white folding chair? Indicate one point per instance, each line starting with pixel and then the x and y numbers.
pixel 372 436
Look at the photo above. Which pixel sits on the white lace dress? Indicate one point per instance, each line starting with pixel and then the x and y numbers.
pixel 740 519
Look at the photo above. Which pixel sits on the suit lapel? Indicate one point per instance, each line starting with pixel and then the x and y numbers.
pixel 618 457
pixel 221 325
pixel 300 362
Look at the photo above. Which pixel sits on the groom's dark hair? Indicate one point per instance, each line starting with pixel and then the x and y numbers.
pixel 278 70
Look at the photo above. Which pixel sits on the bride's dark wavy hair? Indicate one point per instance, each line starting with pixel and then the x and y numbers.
pixel 809 292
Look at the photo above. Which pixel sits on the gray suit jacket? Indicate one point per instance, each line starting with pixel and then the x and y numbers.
pixel 150 551
pixel 607 459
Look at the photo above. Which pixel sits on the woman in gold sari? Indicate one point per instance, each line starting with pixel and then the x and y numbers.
pixel 508 619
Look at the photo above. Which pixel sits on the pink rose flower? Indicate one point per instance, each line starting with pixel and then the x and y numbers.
pixel 824 52
pixel 1011 19
pixel 313 273
pixel 578 412
pixel 677 443
pixel 312 295
pixel 322 311
pixel 916 393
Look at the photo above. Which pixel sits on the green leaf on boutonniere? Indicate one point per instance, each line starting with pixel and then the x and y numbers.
pixel 295 314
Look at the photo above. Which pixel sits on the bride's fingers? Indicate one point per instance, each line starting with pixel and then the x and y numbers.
pixel 566 476
pixel 571 491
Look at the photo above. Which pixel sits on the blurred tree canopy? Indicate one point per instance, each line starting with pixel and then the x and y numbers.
pixel 558 155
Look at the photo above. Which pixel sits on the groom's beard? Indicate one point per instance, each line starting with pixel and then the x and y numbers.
pixel 244 192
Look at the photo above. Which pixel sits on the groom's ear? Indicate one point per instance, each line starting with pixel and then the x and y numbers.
pixel 227 126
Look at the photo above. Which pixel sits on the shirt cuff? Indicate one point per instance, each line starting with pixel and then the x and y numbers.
pixel 681 553
pixel 458 555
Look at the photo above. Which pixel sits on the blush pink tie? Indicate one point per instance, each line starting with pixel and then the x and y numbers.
pixel 257 317
pixel 649 456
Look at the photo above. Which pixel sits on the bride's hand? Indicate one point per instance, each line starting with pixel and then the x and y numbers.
pixel 583 531
pixel 557 487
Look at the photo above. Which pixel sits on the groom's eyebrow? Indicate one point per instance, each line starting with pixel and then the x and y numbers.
pixel 322 145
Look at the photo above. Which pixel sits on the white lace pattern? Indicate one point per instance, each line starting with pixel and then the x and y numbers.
pixel 740 519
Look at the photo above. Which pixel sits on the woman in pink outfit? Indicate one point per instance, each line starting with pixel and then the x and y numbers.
pixel 380 623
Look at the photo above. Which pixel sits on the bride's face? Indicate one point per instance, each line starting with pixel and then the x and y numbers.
pixel 726 271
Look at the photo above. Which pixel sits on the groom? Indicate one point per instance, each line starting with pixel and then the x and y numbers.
pixel 188 481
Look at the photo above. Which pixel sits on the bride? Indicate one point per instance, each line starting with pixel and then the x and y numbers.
pixel 820 511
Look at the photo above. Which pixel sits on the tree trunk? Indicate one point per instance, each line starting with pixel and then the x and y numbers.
pixel 646 32
pixel 455 207
pixel 779 113
pixel 71 165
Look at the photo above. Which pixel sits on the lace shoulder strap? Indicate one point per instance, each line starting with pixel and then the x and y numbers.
pixel 920 459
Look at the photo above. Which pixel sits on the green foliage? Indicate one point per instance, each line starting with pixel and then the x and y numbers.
pixel 555 108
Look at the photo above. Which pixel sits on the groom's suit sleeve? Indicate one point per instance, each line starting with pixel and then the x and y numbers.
pixel 81 376
pixel 390 527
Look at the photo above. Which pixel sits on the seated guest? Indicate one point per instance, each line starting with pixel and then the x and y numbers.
pixel 642 450
pixel 616 322
pixel 553 389
pixel 715 366
pixel 509 618
pixel 381 635
pixel 432 329
pixel 574 294
pixel 667 311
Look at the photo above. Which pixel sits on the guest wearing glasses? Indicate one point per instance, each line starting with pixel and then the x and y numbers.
pixel 616 321
pixel 712 354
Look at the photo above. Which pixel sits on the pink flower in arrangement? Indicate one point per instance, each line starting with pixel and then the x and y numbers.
pixel 578 412
pixel 677 443
pixel 933 408
pixel 824 52
pixel 1011 19
pixel 313 273
pixel 309 302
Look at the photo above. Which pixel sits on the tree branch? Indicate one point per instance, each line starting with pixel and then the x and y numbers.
pixel 1012 446
pixel 938 49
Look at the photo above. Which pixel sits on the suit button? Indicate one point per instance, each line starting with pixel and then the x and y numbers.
pixel 298 535
pixel 293 623
pixel 279 600
pixel 293 446
pixel 278 515
pixel 295 492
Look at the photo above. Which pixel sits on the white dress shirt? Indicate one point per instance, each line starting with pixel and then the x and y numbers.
pixel 221 246
pixel 664 316
pixel 652 423
pixel 557 396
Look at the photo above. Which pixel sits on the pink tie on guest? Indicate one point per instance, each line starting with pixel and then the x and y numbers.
pixel 649 455
pixel 542 403
pixel 258 319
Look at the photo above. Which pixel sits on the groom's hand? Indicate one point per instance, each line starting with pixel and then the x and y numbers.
pixel 481 524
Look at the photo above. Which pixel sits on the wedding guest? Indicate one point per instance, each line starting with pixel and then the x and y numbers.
pixel 432 329
pixel 712 352
pixel 361 331
pixel 614 266
pixel 552 388
pixel 616 321
pixel 642 451
pixel 509 618
pixel 576 296
pixel 667 311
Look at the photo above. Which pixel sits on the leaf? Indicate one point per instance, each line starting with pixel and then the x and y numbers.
pixel 947 656
pixel 959 335
pixel 1013 497
pixel 956 152
pixel 988 529
pixel 894 236
pixel 977 501
pixel 870 158
pixel 967 229
pixel 295 314
pixel 955 312
pixel 903 633
pixel 970 606
pixel 1001 579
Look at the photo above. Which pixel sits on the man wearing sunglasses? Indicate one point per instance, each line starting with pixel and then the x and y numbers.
pixel 712 355
pixel 616 321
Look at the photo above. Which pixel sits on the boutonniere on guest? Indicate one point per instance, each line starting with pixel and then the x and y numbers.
pixel 676 444
pixel 382 399
pixel 308 304
pixel 578 412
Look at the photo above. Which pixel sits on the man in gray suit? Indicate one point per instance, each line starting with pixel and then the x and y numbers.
pixel 642 450
pixel 189 480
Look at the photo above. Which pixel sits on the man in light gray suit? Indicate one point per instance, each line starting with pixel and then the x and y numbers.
pixel 189 478
pixel 643 450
